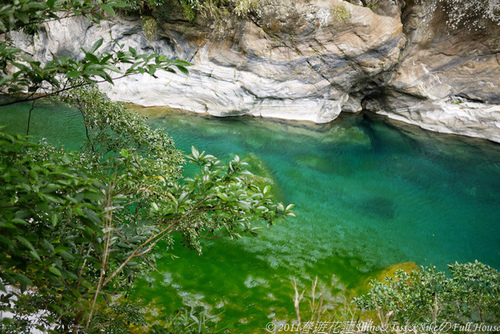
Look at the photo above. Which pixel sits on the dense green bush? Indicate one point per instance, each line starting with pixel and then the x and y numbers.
pixel 76 227
pixel 471 294
pixel 467 299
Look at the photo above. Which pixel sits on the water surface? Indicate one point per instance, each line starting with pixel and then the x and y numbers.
pixel 368 194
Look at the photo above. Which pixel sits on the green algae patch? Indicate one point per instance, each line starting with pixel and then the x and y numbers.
pixel 389 272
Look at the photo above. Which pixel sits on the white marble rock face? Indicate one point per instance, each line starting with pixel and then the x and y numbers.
pixel 387 60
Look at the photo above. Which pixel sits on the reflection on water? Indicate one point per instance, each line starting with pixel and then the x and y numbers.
pixel 368 194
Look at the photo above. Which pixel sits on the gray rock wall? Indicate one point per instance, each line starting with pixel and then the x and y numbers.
pixel 327 57
pixel 447 80
pixel 308 74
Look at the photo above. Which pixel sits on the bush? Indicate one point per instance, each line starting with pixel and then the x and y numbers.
pixel 470 294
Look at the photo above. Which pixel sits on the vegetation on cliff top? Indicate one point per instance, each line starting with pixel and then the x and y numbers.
pixel 223 14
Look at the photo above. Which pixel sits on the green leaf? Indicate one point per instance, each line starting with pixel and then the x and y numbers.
pixel 78 210
pixel 50 198
pixel 6 241
pixel 19 221
pixel 108 9
pixel 35 255
pixel 110 67
pixel 53 219
pixel 96 45
pixel 67 256
pixel 34 174
pixel 48 245
pixel 266 189
pixel 195 152
pixel 183 69
pixel 25 242
pixel 55 271
pixel 119 4
pixel 7 277
pixel 73 74
pixel 23 279
pixel 182 62
pixel 152 71
pixel 92 216
pixel 8 225
pixel 92 58
pixel 7 78
pixel 92 196
pixel 244 205
pixel 56 308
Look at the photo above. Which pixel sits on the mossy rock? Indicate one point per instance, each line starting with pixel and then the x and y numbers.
pixel 263 175
pixel 390 272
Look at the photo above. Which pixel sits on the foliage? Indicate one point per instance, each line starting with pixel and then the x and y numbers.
pixel 419 301
pixel 121 317
pixel 274 16
pixel 149 27
pixel 144 6
pixel 81 226
pixel 77 227
pixel 322 310
pixel 471 14
pixel 110 128
pixel 217 8
pixel 188 320
pixel 223 16
pixel 18 14
pixel 48 208
pixel 426 296
pixel 23 74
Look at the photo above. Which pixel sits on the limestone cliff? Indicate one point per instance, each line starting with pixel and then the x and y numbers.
pixel 448 79
pixel 312 60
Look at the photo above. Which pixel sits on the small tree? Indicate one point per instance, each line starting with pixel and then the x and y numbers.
pixel 77 227
pixel 34 80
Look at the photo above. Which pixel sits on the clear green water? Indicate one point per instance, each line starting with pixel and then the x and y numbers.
pixel 368 194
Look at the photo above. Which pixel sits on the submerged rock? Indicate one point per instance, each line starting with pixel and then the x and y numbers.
pixel 262 175
pixel 388 272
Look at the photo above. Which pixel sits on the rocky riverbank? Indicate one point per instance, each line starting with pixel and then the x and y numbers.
pixel 312 61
